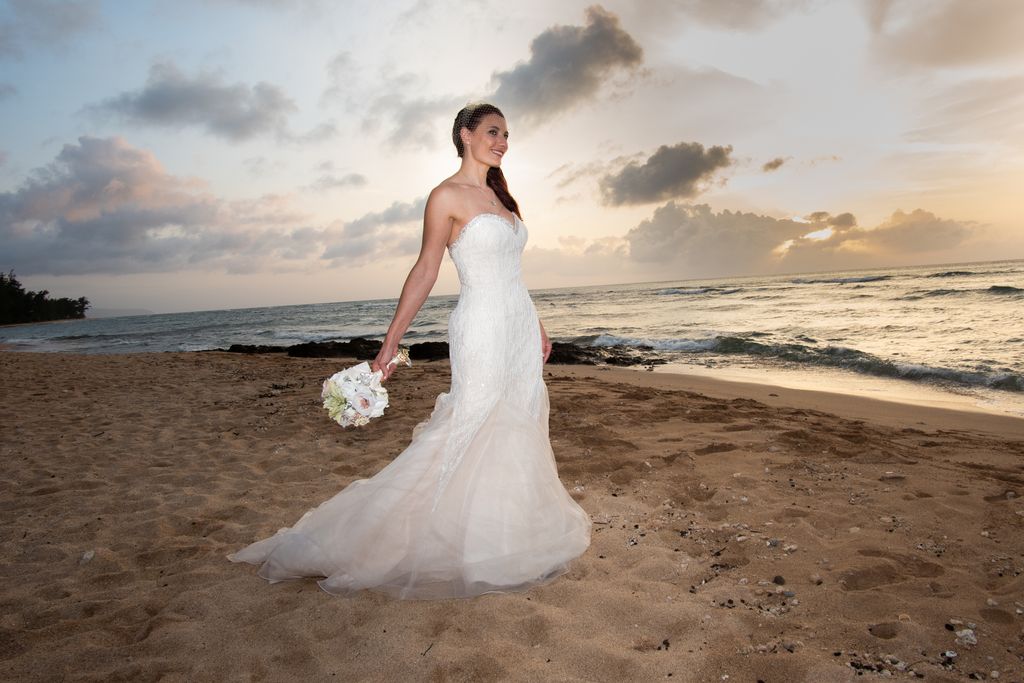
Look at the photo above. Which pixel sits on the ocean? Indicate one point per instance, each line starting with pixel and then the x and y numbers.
pixel 946 335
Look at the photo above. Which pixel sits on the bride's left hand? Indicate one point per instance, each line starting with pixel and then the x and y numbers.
pixel 545 343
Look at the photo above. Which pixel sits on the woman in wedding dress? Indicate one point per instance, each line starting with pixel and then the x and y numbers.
pixel 473 505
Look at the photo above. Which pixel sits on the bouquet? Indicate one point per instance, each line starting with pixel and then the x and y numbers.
pixel 354 395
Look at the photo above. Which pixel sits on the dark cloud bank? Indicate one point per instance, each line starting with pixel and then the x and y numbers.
pixel 233 111
pixel 104 206
pixel 567 65
pixel 669 173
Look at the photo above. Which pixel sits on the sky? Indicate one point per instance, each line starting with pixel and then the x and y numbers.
pixel 178 155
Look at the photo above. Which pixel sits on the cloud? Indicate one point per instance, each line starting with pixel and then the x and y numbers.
pixel 311 7
pixel 841 221
pixel 331 182
pixel 972 111
pixel 773 165
pixel 44 23
pixel 418 123
pixel 341 71
pixel 567 65
pixel 235 112
pixel 696 241
pixel 104 206
pixel 901 239
pixel 946 33
pixel 260 165
pixel 740 15
pixel 671 172
pixel 693 241
pixel 380 234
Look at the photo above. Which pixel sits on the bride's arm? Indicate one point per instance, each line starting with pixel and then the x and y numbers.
pixel 545 343
pixel 421 279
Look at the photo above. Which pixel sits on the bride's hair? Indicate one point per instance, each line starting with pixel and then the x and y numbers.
pixel 469 117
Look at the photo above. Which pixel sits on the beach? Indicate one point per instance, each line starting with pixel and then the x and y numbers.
pixel 740 532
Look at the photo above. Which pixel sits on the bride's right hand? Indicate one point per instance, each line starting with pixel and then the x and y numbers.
pixel 383 361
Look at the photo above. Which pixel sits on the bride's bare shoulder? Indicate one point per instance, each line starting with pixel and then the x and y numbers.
pixel 449 195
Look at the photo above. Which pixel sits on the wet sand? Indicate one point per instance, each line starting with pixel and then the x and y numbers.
pixel 747 531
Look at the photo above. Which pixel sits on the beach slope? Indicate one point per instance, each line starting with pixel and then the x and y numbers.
pixel 757 534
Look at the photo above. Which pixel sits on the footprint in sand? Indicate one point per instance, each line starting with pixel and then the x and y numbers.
pixel 901 568
pixel 886 630
pixel 715 447
pixel 996 616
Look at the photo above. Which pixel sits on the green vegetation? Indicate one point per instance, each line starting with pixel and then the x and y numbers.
pixel 19 306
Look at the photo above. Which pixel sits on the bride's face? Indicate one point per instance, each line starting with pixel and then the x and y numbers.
pixel 489 142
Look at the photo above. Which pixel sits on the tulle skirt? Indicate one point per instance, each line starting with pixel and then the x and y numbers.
pixel 503 522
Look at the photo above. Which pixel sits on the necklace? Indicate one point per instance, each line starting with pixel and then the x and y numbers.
pixel 493 203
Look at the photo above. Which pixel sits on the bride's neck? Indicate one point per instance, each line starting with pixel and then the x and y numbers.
pixel 472 173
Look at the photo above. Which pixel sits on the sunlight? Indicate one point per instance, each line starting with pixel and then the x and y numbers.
pixel 822 234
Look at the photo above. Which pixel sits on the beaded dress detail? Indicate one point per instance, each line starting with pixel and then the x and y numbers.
pixel 473 504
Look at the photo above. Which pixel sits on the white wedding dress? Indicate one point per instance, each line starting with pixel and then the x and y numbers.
pixel 473 505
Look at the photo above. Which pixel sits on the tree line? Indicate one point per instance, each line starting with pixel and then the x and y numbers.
pixel 20 306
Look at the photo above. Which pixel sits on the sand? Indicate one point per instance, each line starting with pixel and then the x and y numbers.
pixel 740 531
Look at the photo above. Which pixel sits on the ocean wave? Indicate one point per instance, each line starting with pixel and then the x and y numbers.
pixel 953 273
pixel 698 290
pixel 998 290
pixel 819 356
pixel 840 280
pixel 646 342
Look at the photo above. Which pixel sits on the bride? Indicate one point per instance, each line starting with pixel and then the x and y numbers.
pixel 473 505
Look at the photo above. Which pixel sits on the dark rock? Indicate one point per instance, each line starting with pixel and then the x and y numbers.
pixel 256 348
pixel 367 349
pixel 429 351
pixel 359 347
pixel 779 581
pixel 573 354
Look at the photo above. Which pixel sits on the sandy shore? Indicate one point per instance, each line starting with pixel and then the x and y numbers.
pixel 739 530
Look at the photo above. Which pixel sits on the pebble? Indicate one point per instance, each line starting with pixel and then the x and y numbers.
pixel 816 579
pixel 993 674
pixel 904 617
pixel 773 542
pixel 744 581
pixel 991 603
pixel 791 548
pixel 854 529
pixel 966 637
pixel 789 594
pixel 778 580
pixel 87 556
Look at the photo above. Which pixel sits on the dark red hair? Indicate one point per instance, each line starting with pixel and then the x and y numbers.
pixel 469 117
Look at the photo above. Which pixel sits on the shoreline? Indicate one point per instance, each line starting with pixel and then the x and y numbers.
pixel 881 411
pixel 891 412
